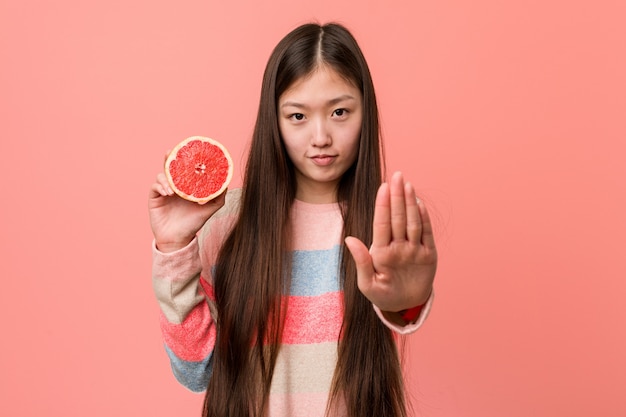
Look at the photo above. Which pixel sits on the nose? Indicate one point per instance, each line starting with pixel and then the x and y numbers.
pixel 320 136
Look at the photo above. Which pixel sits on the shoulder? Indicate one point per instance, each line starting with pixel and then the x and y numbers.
pixel 220 224
pixel 231 206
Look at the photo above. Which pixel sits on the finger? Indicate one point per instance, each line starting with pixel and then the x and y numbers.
pixel 167 153
pixel 413 216
pixel 156 190
pixel 363 261
pixel 159 187
pixel 162 180
pixel 398 207
pixel 382 217
pixel 216 201
pixel 428 237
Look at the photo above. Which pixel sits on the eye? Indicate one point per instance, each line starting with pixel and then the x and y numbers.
pixel 297 116
pixel 340 112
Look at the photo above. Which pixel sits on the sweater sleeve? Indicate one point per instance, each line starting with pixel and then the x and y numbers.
pixel 186 321
pixel 411 327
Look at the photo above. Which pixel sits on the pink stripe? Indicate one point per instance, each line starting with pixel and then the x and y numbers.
pixel 208 288
pixel 313 319
pixel 194 338
pixel 309 319
pixel 307 233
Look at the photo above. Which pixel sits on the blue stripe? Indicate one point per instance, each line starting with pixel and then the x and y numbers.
pixel 193 375
pixel 315 272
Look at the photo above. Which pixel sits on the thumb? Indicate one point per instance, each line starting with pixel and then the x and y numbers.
pixel 362 259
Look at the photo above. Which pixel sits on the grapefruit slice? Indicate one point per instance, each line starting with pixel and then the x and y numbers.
pixel 199 169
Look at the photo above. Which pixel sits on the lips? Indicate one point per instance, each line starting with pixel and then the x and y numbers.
pixel 323 160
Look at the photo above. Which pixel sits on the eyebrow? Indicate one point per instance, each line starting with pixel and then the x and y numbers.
pixel 332 102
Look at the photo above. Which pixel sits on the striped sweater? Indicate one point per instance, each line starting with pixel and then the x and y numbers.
pixel 306 362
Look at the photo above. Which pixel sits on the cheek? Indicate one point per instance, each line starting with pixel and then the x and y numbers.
pixel 355 140
pixel 292 145
pixel 355 149
pixel 282 129
pixel 286 136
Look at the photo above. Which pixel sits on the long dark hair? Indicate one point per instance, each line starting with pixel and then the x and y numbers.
pixel 250 275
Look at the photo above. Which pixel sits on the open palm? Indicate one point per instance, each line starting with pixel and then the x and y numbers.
pixel 398 270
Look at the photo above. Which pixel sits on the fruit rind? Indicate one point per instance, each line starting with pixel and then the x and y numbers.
pixel 190 196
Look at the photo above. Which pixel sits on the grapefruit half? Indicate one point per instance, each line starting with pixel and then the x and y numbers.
pixel 199 169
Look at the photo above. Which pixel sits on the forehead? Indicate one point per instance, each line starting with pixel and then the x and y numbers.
pixel 322 84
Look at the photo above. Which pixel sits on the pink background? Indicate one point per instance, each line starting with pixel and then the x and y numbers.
pixel 509 116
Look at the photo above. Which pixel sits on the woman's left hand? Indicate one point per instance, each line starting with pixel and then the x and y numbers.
pixel 398 270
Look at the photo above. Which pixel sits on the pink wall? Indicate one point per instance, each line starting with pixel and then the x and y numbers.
pixel 508 116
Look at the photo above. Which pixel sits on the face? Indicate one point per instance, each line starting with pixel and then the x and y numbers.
pixel 319 117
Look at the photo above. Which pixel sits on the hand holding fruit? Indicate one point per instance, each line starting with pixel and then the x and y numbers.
pixel 174 220
pixel 193 187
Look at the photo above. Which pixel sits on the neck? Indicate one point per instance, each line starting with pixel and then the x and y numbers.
pixel 317 195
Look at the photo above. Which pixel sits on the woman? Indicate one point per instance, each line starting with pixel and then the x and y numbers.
pixel 277 307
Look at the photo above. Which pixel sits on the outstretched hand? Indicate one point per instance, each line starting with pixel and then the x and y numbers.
pixel 398 270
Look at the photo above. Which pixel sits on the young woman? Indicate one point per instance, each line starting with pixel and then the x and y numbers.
pixel 282 298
